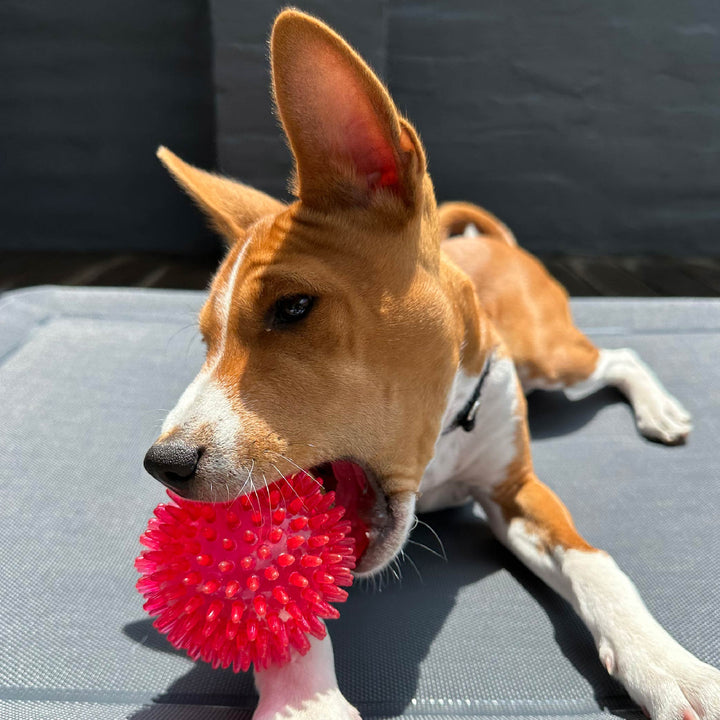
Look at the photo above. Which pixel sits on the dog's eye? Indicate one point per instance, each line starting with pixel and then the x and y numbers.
pixel 290 309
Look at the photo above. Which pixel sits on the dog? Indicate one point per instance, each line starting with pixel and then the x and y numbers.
pixel 363 327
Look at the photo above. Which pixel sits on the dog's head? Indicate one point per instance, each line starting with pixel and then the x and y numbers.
pixel 333 327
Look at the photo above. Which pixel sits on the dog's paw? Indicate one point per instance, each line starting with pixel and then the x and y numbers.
pixel 327 705
pixel 667 682
pixel 663 419
pixel 658 415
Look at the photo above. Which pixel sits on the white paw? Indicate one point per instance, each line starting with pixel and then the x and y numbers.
pixel 327 705
pixel 661 417
pixel 667 682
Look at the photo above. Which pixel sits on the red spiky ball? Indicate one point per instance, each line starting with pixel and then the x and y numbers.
pixel 245 582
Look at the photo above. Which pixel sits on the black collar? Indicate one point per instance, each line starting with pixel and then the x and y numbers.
pixel 465 419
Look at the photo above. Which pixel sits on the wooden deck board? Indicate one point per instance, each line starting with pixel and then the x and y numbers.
pixel 582 276
pixel 667 277
pixel 609 277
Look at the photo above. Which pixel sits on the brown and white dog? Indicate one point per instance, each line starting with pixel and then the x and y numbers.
pixel 347 326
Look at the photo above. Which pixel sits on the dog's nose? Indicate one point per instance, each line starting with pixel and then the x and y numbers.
pixel 173 463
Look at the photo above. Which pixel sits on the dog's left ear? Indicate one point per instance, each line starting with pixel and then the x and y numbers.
pixel 350 143
pixel 231 206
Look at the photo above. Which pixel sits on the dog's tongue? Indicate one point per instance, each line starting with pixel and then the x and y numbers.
pixel 355 494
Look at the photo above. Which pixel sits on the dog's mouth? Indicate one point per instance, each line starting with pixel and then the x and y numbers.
pixel 367 508
pixel 380 523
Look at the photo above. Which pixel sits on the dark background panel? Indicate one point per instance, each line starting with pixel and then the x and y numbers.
pixel 88 92
pixel 590 128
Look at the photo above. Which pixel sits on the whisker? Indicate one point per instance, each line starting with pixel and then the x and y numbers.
pixel 249 479
pixel 177 332
pixel 250 472
pixel 395 569
pixel 287 482
pixel 193 338
pixel 429 549
pixel 412 562
pixel 294 464
pixel 292 487
pixel 437 537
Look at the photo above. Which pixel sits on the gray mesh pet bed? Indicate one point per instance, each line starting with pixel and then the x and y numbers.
pixel 85 379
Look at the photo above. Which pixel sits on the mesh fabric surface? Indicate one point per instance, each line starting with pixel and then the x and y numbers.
pixel 85 379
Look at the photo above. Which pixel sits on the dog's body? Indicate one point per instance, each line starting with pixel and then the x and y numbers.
pixel 363 322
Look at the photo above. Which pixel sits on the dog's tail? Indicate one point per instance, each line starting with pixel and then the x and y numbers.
pixel 455 217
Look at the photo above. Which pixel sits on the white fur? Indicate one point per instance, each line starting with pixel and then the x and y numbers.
pixel 658 673
pixel 224 302
pixel 304 689
pixel 529 548
pixel 205 401
pixel 658 414
pixel 465 459
pixel 594 382
pixel 471 231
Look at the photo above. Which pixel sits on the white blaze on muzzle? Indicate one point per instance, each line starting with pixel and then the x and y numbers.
pixel 205 403
pixel 205 406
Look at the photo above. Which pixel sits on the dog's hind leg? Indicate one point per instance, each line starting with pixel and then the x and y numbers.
pixel 659 416
pixel 531 311
pixel 572 364
pixel 532 314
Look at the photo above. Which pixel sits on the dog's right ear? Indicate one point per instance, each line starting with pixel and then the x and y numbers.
pixel 231 206
pixel 349 141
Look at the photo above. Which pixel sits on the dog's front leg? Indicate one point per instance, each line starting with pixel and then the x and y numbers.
pixel 304 689
pixel 661 676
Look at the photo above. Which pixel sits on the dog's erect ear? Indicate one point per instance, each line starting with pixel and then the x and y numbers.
pixel 230 205
pixel 347 137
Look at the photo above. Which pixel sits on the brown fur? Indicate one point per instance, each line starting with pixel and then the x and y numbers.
pixel 529 308
pixel 367 375
pixel 455 217
pixel 531 312
pixel 230 205
pixel 523 496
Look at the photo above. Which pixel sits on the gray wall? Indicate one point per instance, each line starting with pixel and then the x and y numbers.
pixel 89 89
pixel 588 127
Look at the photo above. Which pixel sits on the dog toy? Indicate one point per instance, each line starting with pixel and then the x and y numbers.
pixel 246 581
